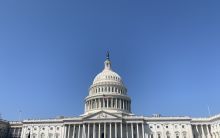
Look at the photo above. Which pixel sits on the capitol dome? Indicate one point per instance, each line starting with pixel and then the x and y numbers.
pixel 107 92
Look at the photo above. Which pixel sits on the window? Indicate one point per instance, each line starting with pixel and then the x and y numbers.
pixel 158 126
pixel 56 135
pixel 177 134
pixel 42 135
pixel 34 135
pixel 109 102
pixel 51 128
pixel 184 134
pixel 50 135
pixel 168 134
pixel 58 128
pixel 183 126
pixel 158 136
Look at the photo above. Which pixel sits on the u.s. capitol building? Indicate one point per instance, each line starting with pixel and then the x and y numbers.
pixel 108 114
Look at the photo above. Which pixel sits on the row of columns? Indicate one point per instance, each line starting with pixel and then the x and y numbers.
pixel 108 89
pixel 15 132
pixel 79 130
pixel 117 103
pixel 203 129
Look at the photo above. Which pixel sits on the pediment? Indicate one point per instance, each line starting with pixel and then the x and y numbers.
pixel 102 115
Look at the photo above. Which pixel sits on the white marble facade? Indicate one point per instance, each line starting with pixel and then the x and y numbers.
pixel 108 115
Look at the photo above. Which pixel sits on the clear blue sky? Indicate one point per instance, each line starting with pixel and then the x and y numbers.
pixel 167 53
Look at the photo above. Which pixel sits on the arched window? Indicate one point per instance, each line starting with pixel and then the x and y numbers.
pixel 50 135
pixel 105 102
pixel 34 135
pixel 158 135
pixel 42 135
pixel 57 135
pixel 167 134
pixel 177 134
pixel 109 102
pixel 184 134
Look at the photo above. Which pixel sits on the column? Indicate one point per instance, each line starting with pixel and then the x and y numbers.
pixel 74 127
pixel 132 131
pixel 197 130
pixel 68 131
pixel 123 101
pixel 208 133
pixel 14 132
pixel 64 131
pixel 79 131
pixel 22 132
pixel 143 131
pixel 85 107
pixel 104 130
pixel 203 133
pixel 137 131
pixel 107 102
pixel 88 105
pixel 119 103
pixel 116 103
pixel 121 131
pixel 110 131
pixel 103 100
pixel 126 130
pixel 112 103
pixel 94 130
pixel 88 131
pixel 115 130
pixel 99 130
pixel 84 131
